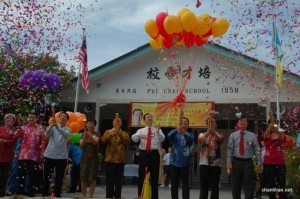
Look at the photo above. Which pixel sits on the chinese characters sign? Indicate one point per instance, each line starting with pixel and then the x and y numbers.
pixel 196 112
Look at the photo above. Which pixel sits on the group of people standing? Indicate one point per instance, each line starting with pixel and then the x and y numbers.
pixel 33 151
pixel 50 148
pixel 242 147
pixel 45 150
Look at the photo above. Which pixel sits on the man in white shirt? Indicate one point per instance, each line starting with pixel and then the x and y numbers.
pixel 150 138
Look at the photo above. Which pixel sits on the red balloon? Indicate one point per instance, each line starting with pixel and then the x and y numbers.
pixel 208 33
pixel 167 43
pixel 160 17
pixel 180 36
pixel 199 41
pixel 189 39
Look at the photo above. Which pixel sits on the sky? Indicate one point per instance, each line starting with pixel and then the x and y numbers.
pixel 115 27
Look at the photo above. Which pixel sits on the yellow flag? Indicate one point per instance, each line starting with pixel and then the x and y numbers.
pixel 279 72
pixel 146 194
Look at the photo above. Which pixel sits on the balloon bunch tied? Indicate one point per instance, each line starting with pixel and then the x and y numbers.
pixel 76 122
pixel 184 29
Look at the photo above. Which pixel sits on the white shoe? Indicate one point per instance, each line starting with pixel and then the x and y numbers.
pixel 169 185
pixel 162 185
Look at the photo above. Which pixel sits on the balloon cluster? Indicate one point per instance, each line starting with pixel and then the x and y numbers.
pixel 184 29
pixel 76 122
pixel 39 79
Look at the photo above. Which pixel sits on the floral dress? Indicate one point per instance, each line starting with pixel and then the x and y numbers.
pixel 89 161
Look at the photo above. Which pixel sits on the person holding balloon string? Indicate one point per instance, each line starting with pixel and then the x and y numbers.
pixel 116 140
pixel 181 140
pixel 56 153
pixel 210 159
pixel 149 139
pixel 89 159
pixel 274 165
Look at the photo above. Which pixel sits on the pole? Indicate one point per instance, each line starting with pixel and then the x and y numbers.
pixel 78 80
pixel 277 94
pixel 276 72
pixel 77 89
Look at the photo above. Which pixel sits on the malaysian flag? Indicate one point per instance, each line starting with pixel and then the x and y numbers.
pixel 83 60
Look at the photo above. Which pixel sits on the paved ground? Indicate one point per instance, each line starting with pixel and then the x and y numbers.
pixel 130 192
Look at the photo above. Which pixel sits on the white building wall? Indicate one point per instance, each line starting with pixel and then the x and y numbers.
pixel 230 81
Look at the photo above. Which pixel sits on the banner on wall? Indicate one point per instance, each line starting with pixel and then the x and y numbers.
pixel 196 112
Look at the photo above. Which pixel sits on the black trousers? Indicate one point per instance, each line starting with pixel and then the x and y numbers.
pixel 4 172
pixel 75 176
pixel 243 175
pixel 209 179
pixel 151 160
pixel 178 173
pixel 31 168
pixel 274 177
pixel 49 165
pixel 114 175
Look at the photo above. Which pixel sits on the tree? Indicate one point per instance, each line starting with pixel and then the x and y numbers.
pixel 18 99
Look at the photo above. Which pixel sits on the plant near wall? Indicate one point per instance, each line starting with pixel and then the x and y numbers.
pixel 16 97
pixel 292 158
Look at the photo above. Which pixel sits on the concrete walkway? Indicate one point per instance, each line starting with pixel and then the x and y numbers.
pixel 130 192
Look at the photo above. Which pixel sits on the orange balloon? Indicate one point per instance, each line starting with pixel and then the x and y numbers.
pixel 181 11
pixel 57 116
pixel 78 114
pixel 188 21
pixel 220 27
pixel 68 123
pixel 156 43
pixel 74 126
pixel 151 28
pixel 205 22
pixel 179 44
pixel 172 24
pixel 50 121
pixel 206 38
pixel 72 116
pixel 81 121
pixel 197 28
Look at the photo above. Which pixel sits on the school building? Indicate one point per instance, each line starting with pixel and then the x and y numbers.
pixel 233 82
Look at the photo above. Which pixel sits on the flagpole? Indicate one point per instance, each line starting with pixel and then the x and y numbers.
pixel 77 89
pixel 78 80
pixel 277 92
pixel 276 69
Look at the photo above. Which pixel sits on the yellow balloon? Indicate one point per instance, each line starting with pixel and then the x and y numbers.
pixel 156 43
pixel 179 44
pixel 220 27
pixel 172 24
pixel 206 38
pixel 197 28
pixel 205 22
pixel 181 11
pixel 151 28
pixel 188 21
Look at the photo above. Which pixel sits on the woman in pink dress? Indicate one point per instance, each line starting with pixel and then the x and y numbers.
pixel 7 142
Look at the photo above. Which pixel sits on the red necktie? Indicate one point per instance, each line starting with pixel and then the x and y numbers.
pixel 242 148
pixel 148 142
